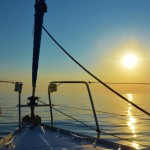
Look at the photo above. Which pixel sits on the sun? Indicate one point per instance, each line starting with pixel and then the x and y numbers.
pixel 129 60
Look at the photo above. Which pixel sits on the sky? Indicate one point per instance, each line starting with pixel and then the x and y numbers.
pixel 98 33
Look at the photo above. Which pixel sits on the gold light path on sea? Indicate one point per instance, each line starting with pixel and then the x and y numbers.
pixel 131 121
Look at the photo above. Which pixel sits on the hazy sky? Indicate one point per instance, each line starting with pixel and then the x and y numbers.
pixel 98 33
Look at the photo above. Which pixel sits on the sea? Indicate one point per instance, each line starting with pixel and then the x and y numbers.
pixel 118 120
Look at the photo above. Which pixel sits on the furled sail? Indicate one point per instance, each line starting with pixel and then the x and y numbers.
pixel 40 9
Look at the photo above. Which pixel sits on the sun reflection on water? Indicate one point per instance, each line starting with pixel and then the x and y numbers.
pixel 131 121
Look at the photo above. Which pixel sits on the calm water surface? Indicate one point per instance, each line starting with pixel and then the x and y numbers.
pixel 115 116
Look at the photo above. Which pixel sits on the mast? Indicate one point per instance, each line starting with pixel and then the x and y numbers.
pixel 40 8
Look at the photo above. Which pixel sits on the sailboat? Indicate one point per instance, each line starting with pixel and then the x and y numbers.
pixel 32 133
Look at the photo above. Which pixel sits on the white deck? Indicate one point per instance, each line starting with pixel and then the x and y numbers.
pixel 40 139
pixel 47 138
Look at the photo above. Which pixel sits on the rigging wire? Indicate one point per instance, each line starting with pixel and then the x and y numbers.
pixel 4 81
pixel 68 115
pixel 144 83
pixel 89 110
pixel 91 126
pixel 100 130
pixel 74 118
pixel 96 111
pixel 82 109
pixel 96 78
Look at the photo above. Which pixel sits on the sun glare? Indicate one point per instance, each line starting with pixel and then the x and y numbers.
pixel 129 61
